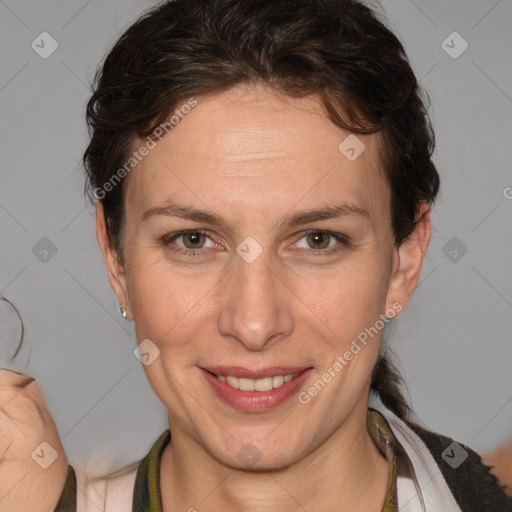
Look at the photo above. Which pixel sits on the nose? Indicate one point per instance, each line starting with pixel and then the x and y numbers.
pixel 255 305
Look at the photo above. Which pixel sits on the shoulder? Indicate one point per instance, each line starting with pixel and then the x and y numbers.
pixel 445 469
pixel 473 485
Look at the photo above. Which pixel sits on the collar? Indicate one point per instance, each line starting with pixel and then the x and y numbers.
pixel 430 481
pixel 147 498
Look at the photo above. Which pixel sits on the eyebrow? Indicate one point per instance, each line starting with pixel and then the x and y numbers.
pixel 172 209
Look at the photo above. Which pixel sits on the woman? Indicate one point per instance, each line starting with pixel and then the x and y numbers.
pixel 263 179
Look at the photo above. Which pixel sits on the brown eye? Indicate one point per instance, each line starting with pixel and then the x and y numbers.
pixel 196 239
pixel 322 243
pixel 318 239
pixel 190 242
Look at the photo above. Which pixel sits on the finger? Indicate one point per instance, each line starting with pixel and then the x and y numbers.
pixel 14 378
pixel 13 383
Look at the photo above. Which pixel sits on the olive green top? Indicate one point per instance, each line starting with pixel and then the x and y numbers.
pixel 146 494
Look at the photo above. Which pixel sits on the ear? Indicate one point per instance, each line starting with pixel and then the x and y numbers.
pixel 115 270
pixel 408 259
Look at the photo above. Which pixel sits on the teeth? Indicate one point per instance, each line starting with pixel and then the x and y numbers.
pixel 264 384
pixel 277 381
pixel 233 382
pixel 246 384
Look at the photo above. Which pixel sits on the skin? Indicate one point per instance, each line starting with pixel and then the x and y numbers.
pixel 25 423
pixel 500 461
pixel 344 470
pixel 254 157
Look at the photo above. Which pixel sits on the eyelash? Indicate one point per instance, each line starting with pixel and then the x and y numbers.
pixel 343 239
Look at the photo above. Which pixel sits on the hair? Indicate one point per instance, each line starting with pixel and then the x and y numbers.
pixel 339 50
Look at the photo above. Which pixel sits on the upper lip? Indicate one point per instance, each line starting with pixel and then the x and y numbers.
pixel 249 373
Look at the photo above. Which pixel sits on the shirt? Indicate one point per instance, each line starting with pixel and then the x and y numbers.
pixel 146 491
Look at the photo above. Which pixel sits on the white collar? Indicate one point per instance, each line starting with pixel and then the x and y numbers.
pixel 436 493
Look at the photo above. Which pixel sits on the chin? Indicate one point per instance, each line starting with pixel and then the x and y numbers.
pixel 258 456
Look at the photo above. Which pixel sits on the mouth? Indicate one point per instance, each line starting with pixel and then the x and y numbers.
pixel 263 384
pixel 254 391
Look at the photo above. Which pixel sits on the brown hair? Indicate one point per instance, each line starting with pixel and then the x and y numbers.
pixel 339 50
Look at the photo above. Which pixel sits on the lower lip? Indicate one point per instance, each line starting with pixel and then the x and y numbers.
pixel 256 401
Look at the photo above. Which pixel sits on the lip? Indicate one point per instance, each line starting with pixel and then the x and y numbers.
pixel 255 401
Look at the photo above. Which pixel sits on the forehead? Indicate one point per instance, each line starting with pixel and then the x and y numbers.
pixel 263 150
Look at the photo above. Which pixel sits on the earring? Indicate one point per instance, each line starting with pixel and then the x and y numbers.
pixel 124 313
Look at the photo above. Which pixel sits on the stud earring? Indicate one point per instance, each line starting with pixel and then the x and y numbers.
pixel 124 313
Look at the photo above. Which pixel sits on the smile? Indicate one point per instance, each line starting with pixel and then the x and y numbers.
pixel 255 391
pixel 264 384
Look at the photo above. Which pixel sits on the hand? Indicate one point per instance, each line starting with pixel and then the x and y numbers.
pixel 32 475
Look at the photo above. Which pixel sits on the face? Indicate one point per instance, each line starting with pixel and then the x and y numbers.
pixel 288 258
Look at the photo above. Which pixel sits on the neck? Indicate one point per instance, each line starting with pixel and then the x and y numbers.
pixel 347 472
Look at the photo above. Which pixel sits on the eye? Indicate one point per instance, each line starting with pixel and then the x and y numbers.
pixel 321 241
pixel 193 241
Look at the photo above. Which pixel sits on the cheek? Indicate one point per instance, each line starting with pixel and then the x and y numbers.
pixel 166 303
pixel 349 298
pixel 349 308
pixel 171 305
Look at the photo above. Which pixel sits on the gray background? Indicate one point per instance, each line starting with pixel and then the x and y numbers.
pixel 454 339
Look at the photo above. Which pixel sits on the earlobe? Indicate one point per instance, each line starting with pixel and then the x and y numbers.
pixel 409 259
pixel 115 271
